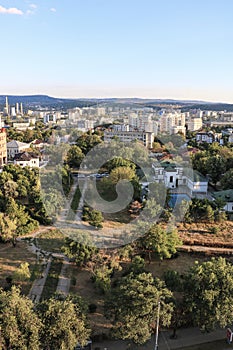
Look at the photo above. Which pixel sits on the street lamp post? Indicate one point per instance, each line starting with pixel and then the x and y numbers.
pixel 157 328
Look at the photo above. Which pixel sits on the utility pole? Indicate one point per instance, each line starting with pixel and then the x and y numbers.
pixel 157 328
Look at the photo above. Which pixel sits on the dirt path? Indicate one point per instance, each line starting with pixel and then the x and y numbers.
pixel 204 249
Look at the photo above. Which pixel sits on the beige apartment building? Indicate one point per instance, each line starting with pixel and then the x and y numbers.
pixel 3 148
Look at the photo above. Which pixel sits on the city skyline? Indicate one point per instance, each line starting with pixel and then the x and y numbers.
pixel 97 49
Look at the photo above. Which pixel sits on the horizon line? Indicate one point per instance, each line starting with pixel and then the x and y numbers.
pixel 119 98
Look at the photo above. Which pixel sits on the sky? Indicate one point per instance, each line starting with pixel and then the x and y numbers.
pixel 179 49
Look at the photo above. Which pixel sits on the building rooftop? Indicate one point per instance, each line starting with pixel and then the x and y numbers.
pixel 15 144
pixel 25 156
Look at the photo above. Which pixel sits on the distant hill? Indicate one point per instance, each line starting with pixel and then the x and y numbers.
pixel 65 103
pixel 45 101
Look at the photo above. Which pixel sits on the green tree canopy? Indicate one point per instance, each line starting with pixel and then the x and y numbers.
pixel 19 324
pixel 74 156
pixel 64 324
pixel 208 293
pixel 133 305
pixel 161 242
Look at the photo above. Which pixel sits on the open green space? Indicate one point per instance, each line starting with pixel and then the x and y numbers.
pixel 51 282
pixel 74 204
pixel 51 241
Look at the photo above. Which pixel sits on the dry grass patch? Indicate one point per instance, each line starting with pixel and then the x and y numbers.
pixel 10 260
pixel 180 264
pixel 199 234
pixel 86 289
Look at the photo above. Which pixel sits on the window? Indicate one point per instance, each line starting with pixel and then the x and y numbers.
pixel 171 178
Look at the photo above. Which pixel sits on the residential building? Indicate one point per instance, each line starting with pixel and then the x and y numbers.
pixel 3 149
pixel 172 123
pixel 50 119
pixel 208 136
pixel 120 127
pixel 180 179
pixel 194 124
pixel 127 136
pixel 15 147
pixel 27 159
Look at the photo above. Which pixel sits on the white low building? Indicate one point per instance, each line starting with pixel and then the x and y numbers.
pixel 180 179
pixel 27 159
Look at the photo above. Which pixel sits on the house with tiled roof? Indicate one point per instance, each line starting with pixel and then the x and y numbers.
pixel 27 159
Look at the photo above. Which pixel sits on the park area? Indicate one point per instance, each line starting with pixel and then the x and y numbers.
pixel 10 260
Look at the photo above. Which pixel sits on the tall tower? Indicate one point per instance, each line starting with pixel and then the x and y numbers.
pixel 21 108
pixel 6 108
pixel 7 105
pixel 17 108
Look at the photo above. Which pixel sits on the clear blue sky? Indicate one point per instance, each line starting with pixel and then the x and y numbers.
pixel 103 48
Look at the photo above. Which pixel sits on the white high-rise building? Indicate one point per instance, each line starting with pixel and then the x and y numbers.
pixel 194 124
pixel 172 123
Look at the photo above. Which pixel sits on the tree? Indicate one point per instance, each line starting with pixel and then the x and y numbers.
pixel 133 305
pixel 22 273
pixel 20 324
pixel 64 324
pixel 74 156
pixel 16 212
pixel 95 218
pixel 200 210
pixel 88 141
pixel 227 180
pixel 81 251
pixel 117 162
pixel 208 294
pixel 7 228
pixel 160 242
pixel 215 167
pixel 121 173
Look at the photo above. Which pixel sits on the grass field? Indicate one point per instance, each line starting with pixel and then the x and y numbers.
pixel 51 241
pixel 51 282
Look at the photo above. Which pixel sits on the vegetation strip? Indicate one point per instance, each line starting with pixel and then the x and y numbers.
pixel 51 282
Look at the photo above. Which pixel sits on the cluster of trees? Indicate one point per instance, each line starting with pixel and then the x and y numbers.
pixel 20 202
pixel 25 201
pixel 40 132
pixel 217 162
pixel 57 323
pixel 204 210
pixel 202 298
pixel 202 294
